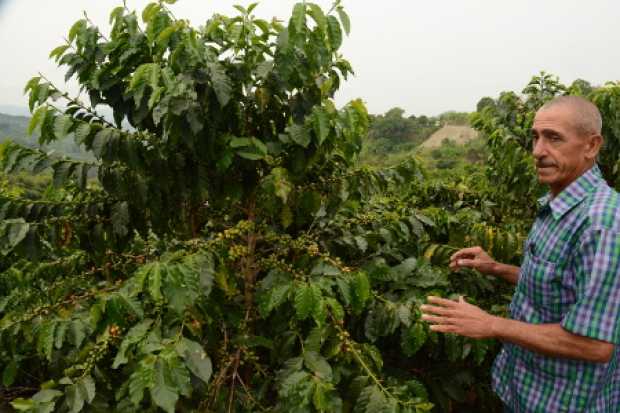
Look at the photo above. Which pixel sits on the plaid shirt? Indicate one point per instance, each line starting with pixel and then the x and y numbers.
pixel 570 275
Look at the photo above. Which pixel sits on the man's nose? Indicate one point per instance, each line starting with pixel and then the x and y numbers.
pixel 538 148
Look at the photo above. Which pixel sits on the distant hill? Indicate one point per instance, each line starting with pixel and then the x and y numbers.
pixel 14 110
pixel 15 128
pixel 459 134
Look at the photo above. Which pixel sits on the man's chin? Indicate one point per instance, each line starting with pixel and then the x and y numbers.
pixel 545 175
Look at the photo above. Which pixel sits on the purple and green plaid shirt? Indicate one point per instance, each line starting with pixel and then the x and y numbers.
pixel 570 275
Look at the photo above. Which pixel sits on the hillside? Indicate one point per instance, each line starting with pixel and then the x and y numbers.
pixel 459 134
pixel 15 128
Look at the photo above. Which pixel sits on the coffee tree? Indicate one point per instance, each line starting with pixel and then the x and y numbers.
pixel 223 252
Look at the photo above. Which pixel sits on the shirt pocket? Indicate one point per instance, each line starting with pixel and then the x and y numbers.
pixel 540 281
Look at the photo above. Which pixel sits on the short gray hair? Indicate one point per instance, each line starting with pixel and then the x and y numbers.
pixel 587 119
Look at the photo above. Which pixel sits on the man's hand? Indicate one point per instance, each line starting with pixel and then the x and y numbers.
pixel 462 318
pixel 477 259
pixel 474 257
pixel 459 317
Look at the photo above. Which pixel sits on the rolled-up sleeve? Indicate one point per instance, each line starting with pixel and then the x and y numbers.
pixel 596 312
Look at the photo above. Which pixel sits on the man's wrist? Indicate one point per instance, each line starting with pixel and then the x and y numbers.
pixel 496 268
pixel 496 327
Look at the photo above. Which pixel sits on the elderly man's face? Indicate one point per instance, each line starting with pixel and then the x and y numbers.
pixel 561 154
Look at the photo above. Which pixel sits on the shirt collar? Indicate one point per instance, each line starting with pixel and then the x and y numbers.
pixel 573 193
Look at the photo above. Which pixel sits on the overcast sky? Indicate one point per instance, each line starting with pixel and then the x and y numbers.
pixel 424 56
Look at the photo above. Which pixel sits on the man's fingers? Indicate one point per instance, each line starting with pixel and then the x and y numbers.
pixel 466 263
pixel 466 253
pixel 435 319
pixel 444 302
pixel 433 309
pixel 443 328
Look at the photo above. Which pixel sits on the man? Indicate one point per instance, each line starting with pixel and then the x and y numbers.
pixel 559 352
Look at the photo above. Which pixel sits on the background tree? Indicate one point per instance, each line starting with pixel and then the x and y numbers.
pixel 218 261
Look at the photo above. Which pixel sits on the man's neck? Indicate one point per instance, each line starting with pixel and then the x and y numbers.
pixel 556 190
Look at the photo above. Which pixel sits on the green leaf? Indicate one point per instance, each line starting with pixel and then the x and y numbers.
pixel 197 360
pixel 412 339
pixel 273 298
pixel 82 132
pixel 404 270
pixel 155 274
pixel 299 135
pixel 323 268
pixel 320 124
pixel 36 119
pixel 100 142
pixel 263 69
pixel 373 400
pixel 281 184
pixel 145 74
pixel 181 287
pixel 32 83
pixel 382 320
pixel 12 232
pixel 220 82
pixel 361 243
pixel 319 398
pixel 23 405
pixel 77 27
pixel 240 142
pixel 249 148
pixel 344 19
pixel 171 378
pixel 318 16
pixel 149 11
pixel 45 339
pixel 62 172
pixel 335 307
pixel 136 334
pixel 335 34
pixel 62 124
pixel 142 378
pixel 120 218
pixel 307 297
pixel 46 394
pixel 317 364
pixel 9 373
pixel 79 393
pixel 299 16
pixel 116 14
pixel 360 288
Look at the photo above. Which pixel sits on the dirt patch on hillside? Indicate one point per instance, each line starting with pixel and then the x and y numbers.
pixel 458 134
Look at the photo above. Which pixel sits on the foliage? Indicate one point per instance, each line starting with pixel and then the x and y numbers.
pixel 228 257
pixel 451 159
pixel 454 118
pixel 222 249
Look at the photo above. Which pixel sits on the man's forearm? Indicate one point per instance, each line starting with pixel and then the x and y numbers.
pixel 551 340
pixel 509 273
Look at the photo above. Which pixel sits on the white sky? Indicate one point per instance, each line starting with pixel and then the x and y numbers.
pixel 425 56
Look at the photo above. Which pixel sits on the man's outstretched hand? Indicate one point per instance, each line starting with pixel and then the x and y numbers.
pixel 458 317
pixel 477 259
pixel 474 257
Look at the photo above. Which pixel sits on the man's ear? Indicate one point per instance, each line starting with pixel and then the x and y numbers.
pixel 595 142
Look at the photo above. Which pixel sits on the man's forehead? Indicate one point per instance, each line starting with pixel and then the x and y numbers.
pixel 556 116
